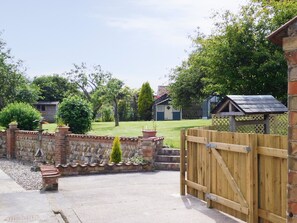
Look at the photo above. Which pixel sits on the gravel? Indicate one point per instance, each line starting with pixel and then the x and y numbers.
pixel 21 173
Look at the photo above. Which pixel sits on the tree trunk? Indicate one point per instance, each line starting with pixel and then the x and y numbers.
pixel 116 113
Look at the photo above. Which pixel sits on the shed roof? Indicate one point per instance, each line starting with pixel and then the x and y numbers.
pixel 162 99
pixel 46 103
pixel 249 104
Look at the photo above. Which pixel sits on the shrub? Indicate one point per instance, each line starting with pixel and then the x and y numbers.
pixel 116 152
pixel 106 113
pixel 22 113
pixel 76 113
pixel 145 102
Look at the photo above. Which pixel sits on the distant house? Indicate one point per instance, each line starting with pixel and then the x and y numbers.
pixel 162 108
pixel 47 109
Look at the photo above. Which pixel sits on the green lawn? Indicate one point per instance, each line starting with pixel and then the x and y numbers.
pixel 169 129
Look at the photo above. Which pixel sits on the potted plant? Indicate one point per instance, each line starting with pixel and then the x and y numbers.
pixel 150 132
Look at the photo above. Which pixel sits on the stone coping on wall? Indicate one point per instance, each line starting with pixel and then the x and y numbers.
pixel 153 139
pixel 96 168
pixel 34 133
pixel 101 137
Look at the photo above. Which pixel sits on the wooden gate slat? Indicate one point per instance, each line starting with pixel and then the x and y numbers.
pixel 229 178
pixel 196 139
pixel 229 147
pixel 267 151
pixel 196 186
pixel 228 203
pixel 271 217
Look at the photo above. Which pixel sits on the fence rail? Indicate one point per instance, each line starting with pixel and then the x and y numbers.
pixel 244 175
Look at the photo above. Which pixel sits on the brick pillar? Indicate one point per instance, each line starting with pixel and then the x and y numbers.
pixel 149 148
pixel 61 145
pixel 10 145
pixel 290 49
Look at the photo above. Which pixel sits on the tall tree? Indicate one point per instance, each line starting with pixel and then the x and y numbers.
pixel 128 110
pixel 12 76
pixel 28 93
pixel 113 93
pixel 237 58
pixel 145 102
pixel 54 87
pixel 90 81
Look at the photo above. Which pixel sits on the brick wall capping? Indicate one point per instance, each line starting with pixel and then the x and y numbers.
pixel 106 168
pixel 101 137
pixel 153 139
pixel 34 132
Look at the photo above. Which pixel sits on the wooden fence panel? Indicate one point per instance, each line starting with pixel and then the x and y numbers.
pixel 244 175
pixel 272 163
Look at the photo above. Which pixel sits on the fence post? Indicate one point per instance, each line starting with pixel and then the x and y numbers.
pixel 182 162
pixel 208 171
pixel 252 178
pixel 60 145
pixel 11 140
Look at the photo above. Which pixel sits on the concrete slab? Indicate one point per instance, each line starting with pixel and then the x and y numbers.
pixel 8 185
pixel 30 206
pixel 134 197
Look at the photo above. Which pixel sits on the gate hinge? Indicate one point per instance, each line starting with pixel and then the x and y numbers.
pixel 211 145
pixel 210 197
pixel 248 149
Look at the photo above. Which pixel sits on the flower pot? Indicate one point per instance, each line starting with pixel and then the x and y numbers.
pixel 149 133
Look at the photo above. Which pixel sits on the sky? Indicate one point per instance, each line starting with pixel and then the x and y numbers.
pixel 135 40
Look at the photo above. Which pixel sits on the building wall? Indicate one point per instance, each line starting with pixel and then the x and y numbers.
pixel 27 144
pixel 2 144
pixel 76 148
pixel 48 111
pixel 87 148
pixel 163 113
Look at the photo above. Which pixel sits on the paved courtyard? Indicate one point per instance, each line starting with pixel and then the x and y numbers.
pixel 116 198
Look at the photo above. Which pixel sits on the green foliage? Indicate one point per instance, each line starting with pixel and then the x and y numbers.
pixel 116 151
pixel 112 94
pixel 76 112
pixel 12 76
pixel 136 159
pixel 106 112
pixel 91 82
pixel 170 130
pixel 187 84
pixel 24 114
pixel 54 87
pixel 128 110
pixel 236 58
pixel 28 93
pixel 145 102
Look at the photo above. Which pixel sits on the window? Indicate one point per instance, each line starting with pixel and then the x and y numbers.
pixel 40 107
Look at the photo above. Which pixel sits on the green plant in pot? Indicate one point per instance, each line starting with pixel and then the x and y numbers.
pixel 150 132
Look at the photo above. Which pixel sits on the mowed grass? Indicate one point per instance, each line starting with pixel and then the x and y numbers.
pixel 169 129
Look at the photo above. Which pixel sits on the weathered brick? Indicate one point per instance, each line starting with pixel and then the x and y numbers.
pixel 292 87
pixel 293 118
pixel 291 57
pixel 292 103
pixel 292 73
pixel 292 148
pixel 289 43
pixel 292 163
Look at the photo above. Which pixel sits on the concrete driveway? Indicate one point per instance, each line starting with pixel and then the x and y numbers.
pixel 116 198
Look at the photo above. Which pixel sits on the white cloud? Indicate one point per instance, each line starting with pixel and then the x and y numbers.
pixel 170 21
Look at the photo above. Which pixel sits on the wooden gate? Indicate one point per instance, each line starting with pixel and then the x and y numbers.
pixel 223 169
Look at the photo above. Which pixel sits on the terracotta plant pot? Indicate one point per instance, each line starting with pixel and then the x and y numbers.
pixel 149 133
